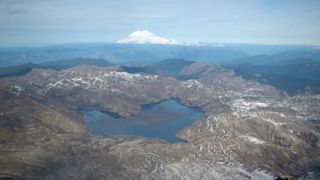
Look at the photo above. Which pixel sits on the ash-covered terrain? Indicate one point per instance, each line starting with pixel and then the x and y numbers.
pixel 250 130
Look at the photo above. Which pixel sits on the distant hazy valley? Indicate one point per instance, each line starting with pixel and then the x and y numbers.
pixel 293 69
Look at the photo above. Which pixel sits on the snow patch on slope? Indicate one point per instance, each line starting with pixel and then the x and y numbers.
pixel 192 83
pixel 253 139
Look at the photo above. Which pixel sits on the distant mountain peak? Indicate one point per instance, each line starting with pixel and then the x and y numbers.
pixel 147 37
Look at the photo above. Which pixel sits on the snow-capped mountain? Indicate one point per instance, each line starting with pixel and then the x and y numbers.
pixel 146 37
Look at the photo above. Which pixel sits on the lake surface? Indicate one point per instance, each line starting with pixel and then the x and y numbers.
pixel 160 120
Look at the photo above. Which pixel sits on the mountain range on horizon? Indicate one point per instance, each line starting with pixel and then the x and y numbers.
pixel 146 37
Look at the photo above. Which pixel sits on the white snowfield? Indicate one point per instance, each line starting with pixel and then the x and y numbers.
pixel 146 37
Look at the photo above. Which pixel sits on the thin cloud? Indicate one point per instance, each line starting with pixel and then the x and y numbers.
pixel 11 8
pixel 17 11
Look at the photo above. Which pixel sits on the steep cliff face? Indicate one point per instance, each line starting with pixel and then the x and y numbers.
pixel 250 130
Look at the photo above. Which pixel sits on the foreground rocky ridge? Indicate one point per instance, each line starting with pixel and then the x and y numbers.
pixel 251 130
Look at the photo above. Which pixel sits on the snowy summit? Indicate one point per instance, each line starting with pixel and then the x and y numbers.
pixel 146 37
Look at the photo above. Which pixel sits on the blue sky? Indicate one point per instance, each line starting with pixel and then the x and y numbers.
pixel 43 22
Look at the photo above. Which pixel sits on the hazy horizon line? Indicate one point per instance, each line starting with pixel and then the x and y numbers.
pixel 44 45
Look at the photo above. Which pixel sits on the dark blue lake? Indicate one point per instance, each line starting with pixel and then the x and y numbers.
pixel 160 120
